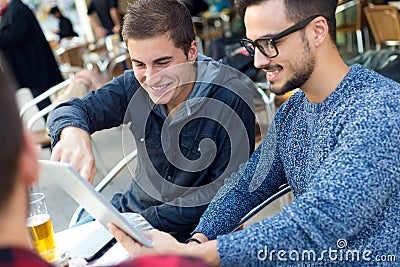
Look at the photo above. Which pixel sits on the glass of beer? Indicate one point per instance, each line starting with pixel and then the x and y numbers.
pixel 40 226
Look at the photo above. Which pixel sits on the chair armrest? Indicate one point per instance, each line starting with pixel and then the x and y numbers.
pixel 281 191
pixel 115 170
pixel 39 115
pixel 43 96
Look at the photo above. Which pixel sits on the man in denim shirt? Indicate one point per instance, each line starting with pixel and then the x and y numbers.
pixel 192 119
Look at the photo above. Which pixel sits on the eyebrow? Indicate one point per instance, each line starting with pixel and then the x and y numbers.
pixel 267 36
pixel 154 61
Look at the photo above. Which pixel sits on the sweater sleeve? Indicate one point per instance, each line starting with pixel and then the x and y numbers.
pixel 346 194
pixel 250 185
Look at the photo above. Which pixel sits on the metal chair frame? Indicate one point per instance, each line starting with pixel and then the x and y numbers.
pixel 349 27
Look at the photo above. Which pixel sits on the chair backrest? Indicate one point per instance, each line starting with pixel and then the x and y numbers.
pixel 31 117
pixel 279 193
pixel 28 104
pixel 357 24
pixel 72 55
pixel 118 65
pixel 384 23
pixel 282 191
pixel 24 96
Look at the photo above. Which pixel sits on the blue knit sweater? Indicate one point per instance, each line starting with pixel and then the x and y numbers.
pixel 341 158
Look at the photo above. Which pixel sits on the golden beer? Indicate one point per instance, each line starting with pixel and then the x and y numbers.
pixel 42 233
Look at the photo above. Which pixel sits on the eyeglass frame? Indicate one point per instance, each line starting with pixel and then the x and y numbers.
pixel 272 40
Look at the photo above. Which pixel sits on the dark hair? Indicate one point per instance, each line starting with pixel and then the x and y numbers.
pixel 148 18
pixel 298 10
pixel 54 10
pixel 11 135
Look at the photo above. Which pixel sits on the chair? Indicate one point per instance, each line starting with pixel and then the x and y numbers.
pixel 118 65
pixel 31 116
pixel 23 96
pixel 70 58
pixel 352 25
pixel 384 23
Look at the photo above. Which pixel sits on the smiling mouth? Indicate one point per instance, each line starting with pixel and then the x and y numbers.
pixel 160 87
pixel 272 72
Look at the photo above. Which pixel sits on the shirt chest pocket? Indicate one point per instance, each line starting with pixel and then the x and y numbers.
pixel 194 147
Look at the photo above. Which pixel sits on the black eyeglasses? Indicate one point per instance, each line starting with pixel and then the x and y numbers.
pixel 267 44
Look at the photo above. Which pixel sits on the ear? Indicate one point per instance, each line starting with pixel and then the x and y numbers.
pixel 320 30
pixel 193 51
pixel 28 164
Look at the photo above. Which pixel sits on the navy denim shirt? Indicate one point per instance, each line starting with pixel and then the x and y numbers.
pixel 182 160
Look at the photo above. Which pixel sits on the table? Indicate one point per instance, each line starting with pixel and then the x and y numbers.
pixel 67 239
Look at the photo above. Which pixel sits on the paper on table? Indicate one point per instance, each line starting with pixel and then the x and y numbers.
pixel 114 255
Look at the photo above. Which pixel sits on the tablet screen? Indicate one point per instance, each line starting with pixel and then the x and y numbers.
pixel 92 201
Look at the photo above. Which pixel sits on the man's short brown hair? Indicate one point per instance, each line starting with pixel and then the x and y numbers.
pixel 149 18
pixel 298 10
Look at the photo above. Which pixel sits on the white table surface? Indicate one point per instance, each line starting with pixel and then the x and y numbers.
pixel 67 239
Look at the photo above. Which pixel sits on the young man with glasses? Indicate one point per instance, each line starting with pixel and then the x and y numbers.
pixel 191 117
pixel 336 142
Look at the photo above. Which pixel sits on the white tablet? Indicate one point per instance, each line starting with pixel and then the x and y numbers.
pixel 91 200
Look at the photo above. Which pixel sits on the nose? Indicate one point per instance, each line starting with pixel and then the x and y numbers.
pixel 260 60
pixel 150 72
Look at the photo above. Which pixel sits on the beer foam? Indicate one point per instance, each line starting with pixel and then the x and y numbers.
pixel 37 220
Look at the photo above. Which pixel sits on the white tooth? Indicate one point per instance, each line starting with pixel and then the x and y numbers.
pixel 272 72
pixel 157 88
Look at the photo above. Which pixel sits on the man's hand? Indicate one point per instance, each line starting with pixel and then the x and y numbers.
pixel 163 243
pixel 75 147
pixel 116 28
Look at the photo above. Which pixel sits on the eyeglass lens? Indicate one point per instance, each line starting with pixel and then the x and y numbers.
pixel 267 45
